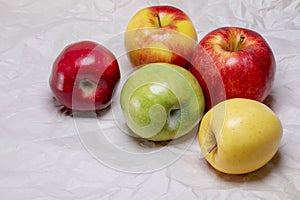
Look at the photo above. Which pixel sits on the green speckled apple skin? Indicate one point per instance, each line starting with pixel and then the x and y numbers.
pixel 162 101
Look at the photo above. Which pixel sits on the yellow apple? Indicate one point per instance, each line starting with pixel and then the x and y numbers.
pixel 238 136
pixel 160 34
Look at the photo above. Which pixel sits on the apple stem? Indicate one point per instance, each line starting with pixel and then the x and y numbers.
pixel 158 19
pixel 212 148
pixel 242 38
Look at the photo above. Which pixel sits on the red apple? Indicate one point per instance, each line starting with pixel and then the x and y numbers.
pixel 233 62
pixel 84 76
pixel 160 34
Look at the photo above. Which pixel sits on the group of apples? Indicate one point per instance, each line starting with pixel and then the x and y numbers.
pixel 178 83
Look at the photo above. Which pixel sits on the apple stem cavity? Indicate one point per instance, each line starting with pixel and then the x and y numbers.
pixel 174 117
pixel 87 87
pixel 158 19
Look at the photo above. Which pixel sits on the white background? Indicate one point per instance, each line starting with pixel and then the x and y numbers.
pixel 41 153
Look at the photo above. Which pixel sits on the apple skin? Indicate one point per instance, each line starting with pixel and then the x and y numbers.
pixel 173 40
pixel 84 76
pixel 238 136
pixel 161 101
pixel 233 62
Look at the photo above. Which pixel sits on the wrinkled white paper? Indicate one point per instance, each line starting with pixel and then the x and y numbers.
pixel 47 154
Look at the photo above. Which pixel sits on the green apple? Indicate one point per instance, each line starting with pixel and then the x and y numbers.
pixel 239 135
pixel 161 101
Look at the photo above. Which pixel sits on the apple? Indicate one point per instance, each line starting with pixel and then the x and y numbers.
pixel 160 34
pixel 161 101
pixel 233 62
pixel 84 76
pixel 239 135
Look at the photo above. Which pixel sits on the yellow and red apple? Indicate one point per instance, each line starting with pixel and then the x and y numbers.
pixel 160 34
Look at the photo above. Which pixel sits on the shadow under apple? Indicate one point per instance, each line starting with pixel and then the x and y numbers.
pixel 254 176
pixel 154 145
pixel 78 114
pixel 270 101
